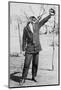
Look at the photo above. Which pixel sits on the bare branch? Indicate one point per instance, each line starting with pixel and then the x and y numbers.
pixel 31 10
pixel 43 12
pixel 26 16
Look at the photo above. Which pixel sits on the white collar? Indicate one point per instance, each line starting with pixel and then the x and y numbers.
pixel 31 27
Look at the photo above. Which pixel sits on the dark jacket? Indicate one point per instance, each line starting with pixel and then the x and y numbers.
pixel 31 43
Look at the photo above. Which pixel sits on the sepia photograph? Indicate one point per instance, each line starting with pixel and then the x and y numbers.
pixel 34 44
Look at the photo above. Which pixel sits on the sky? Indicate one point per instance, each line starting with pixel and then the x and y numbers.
pixel 18 9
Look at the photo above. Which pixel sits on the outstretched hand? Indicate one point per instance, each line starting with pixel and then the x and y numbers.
pixel 52 12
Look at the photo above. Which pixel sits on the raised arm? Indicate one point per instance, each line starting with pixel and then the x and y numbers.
pixel 51 13
pixel 42 22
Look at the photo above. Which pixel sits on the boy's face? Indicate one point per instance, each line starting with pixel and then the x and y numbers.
pixel 33 20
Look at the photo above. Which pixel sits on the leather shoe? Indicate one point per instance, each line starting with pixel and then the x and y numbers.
pixel 34 80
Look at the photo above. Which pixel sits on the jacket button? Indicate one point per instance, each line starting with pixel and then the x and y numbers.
pixel 34 42
pixel 35 48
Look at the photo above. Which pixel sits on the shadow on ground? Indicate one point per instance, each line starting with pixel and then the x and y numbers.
pixel 17 78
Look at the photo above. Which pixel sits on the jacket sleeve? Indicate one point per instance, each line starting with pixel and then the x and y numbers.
pixel 24 40
pixel 42 22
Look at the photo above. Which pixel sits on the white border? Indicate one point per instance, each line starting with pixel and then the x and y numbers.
pixel 4 43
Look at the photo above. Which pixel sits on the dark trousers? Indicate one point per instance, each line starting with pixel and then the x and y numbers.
pixel 28 57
